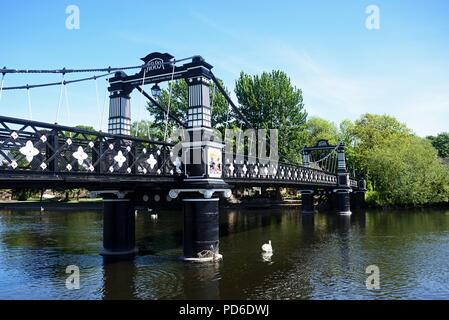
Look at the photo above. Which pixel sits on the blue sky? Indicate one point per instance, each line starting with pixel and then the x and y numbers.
pixel 343 68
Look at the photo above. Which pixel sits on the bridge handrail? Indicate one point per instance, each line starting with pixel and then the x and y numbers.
pixel 283 163
pixel 58 127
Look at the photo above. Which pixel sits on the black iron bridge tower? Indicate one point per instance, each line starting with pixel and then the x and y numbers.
pixel 342 192
pixel 332 159
pixel 202 182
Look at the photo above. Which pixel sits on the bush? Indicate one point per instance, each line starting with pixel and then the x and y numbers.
pixel 407 171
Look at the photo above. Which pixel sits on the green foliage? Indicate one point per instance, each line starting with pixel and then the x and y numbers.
pixel 441 143
pixel 179 103
pixel 24 194
pixel 401 168
pixel 270 101
pixel 368 132
pixel 407 171
pixel 85 127
pixel 146 130
pixel 317 129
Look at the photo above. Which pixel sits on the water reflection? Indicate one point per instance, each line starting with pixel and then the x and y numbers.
pixel 322 256
pixel 202 280
pixel 119 280
pixel 266 256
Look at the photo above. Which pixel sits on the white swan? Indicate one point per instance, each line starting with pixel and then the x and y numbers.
pixel 266 247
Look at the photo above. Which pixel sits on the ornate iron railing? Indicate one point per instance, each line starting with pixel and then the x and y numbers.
pixel 33 146
pixel 36 147
pixel 250 168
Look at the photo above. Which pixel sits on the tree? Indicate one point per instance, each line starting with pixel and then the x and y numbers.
pixel 270 101
pixel 317 129
pixel 441 143
pixel 146 130
pixel 367 134
pixel 401 168
pixel 407 171
pixel 179 104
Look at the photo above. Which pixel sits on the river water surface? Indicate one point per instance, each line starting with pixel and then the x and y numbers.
pixel 320 257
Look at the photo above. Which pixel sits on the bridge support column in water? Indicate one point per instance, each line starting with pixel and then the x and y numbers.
pixel 342 201
pixel 202 156
pixel 307 202
pixel 200 237
pixel 358 196
pixel 118 226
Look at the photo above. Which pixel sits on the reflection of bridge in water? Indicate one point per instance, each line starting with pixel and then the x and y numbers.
pixel 128 171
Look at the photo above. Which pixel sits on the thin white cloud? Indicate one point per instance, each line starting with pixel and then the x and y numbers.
pixel 335 95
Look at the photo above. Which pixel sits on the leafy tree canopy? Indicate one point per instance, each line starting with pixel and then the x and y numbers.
pixel 179 103
pixel 270 101
pixel 317 129
pixel 441 143
pixel 407 171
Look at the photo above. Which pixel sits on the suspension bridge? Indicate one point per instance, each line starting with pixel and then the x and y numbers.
pixel 127 171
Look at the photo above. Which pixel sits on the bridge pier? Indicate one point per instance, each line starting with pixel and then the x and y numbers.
pixel 307 202
pixel 358 196
pixel 118 226
pixel 200 237
pixel 342 201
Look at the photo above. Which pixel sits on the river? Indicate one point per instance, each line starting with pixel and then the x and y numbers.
pixel 320 257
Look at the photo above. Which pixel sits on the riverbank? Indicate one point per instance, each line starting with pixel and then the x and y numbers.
pixel 97 204
pixel 88 204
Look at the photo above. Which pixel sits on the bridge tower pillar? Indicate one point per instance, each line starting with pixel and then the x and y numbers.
pixel 342 199
pixel 203 177
pixel 118 225
pixel 307 201
pixel 120 105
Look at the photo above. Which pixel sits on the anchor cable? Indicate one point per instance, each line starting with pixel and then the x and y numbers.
pixel 60 99
pixel 1 86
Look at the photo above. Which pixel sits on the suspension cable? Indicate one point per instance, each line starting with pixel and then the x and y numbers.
pixel 155 103
pixel 29 105
pixel 108 69
pixel 224 93
pixel 169 102
pixel 67 103
pixel 103 109
pixel 60 99
pixel 98 100
pixel 55 83
pixel 65 71
pixel 140 104
pixel 1 86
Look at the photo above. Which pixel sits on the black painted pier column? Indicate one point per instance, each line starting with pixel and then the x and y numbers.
pixel 307 202
pixel 118 227
pixel 200 229
pixel 342 201
pixel 358 196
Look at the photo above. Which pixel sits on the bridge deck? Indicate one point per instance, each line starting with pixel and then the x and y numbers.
pixel 41 155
